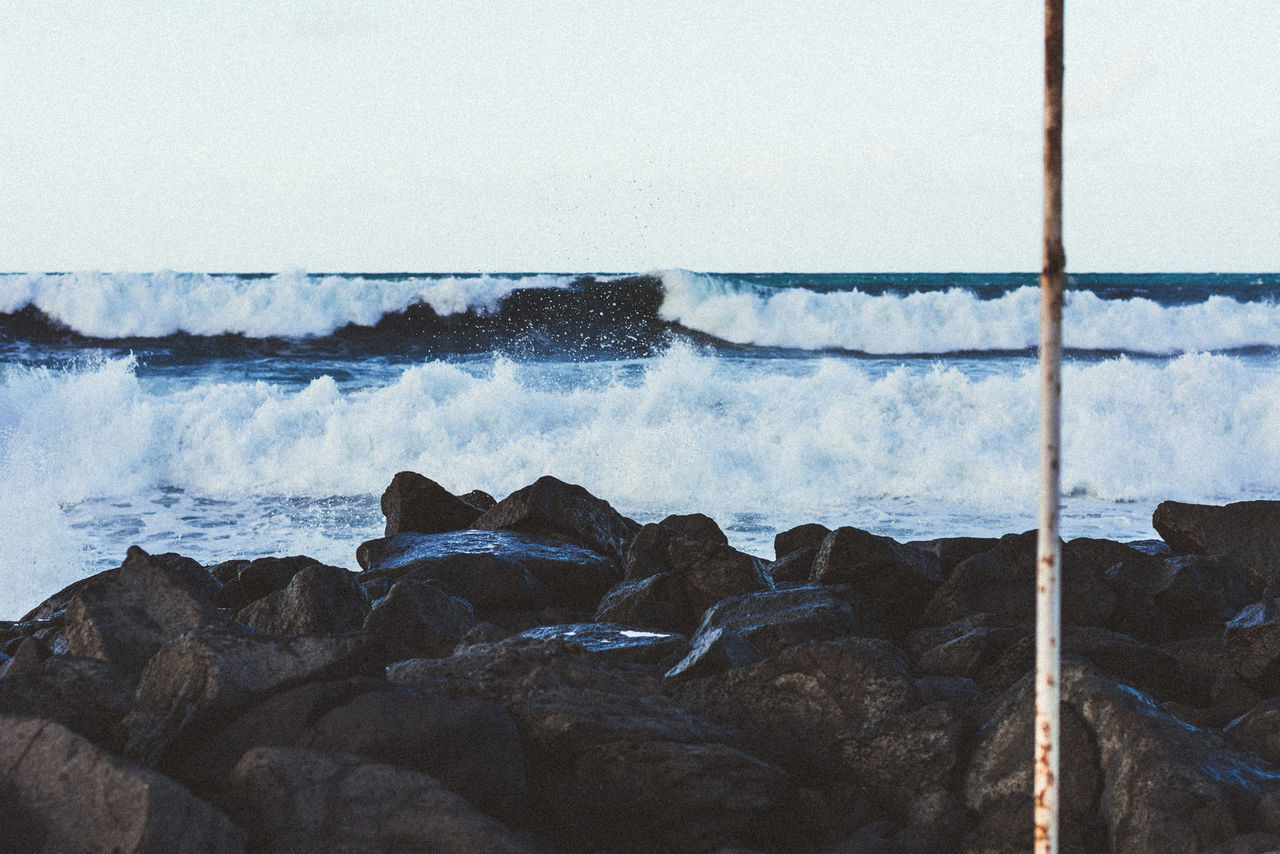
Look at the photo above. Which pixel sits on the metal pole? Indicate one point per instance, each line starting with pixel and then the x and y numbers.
pixel 1048 551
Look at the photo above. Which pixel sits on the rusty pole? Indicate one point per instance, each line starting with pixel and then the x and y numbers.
pixel 1049 551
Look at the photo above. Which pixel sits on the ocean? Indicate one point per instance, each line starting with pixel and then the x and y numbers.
pixel 237 416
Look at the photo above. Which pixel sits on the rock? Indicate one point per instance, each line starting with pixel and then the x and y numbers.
pixel 572 576
pixel 970 653
pixel 772 620
pixel 1001 582
pixel 1195 594
pixel 367 807
pixel 27 657
pixel 713 652
pixel 1248 843
pixel 418 619
pixel 123 616
pixel 196 684
pixel 553 508
pixel 257 578
pixel 1101 554
pixel 86 695
pixel 901 757
pixel 480 499
pixel 795 566
pixel 696 526
pixel 416 504
pixel 950 551
pixel 617 642
pixel 73 796
pixel 317 600
pixel 612 763
pixel 1258 730
pixel 1253 644
pixel 655 603
pixel 808 536
pixel 898 579
pixel 1248 531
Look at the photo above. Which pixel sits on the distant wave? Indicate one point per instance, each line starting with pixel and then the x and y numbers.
pixel 956 320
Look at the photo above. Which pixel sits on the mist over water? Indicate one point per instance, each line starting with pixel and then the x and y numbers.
pixel 240 456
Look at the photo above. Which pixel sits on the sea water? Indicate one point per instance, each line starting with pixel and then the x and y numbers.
pixel 237 416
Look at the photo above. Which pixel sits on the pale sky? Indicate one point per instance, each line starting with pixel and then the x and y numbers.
pixel 857 135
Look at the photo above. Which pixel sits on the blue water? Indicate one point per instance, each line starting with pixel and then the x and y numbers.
pixel 241 415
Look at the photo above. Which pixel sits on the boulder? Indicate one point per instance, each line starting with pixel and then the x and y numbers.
pixel 654 603
pixel 418 619
pixel 416 504
pixel 553 508
pixel 969 654
pixel 69 795
pixel 696 526
pixel 317 600
pixel 248 581
pixel 950 551
pixel 1253 644
pixel 479 499
pixel 1002 582
pixel 1194 594
pixel 1258 730
pixel 86 695
pixel 617 642
pixel 196 684
pixel 565 574
pixel 808 536
pixel 713 652
pixel 773 620
pixel 368 807
pixel 898 579
pixel 1248 531
pixel 795 566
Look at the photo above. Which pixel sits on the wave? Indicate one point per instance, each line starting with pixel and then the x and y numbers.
pixel 957 319
pixel 419 316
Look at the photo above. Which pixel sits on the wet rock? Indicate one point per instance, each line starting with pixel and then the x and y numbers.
pixel 795 566
pixel 553 508
pixel 654 603
pixel 1101 554
pixel 485 567
pixel 1001 582
pixel 480 499
pixel 773 620
pixel 1258 730
pixel 808 536
pixel 970 653
pixel 713 652
pixel 898 579
pixel 696 526
pixel 368 807
pixel 1194 594
pixel 418 619
pixel 1248 531
pixel 317 600
pixel 199 682
pixel 1253 644
pixel 248 581
pixel 416 504
pixel 618 642
pixel 950 551
pixel 73 796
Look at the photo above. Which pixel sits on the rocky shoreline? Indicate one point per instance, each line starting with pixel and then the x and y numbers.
pixel 542 674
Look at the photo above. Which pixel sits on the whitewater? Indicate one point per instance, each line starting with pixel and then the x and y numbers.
pixel 229 416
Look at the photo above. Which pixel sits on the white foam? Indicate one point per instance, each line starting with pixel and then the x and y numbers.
pixel 119 305
pixel 916 451
pixel 957 320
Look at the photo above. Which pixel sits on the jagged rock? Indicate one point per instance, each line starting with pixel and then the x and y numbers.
pixel 713 651
pixel 367 807
pixel 124 615
pixel 617 642
pixel 418 619
pixel 1248 531
pixel 1201 663
pixel 1102 554
pixel 413 503
pixel 808 536
pixel 1258 730
pixel 479 499
pixel 773 620
pixel 27 657
pixel 72 796
pixel 696 526
pixel 904 756
pixel 970 653
pixel 950 551
pixel 1195 594
pixel 553 508
pixel 572 576
pixel 1002 582
pixel 248 581
pixel 196 684
pixel 86 695
pixel 1153 783
pixel 317 600
pixel 898 579
pixel 654 603
pixel 795 566
pixel 1253 643
pixel 612 762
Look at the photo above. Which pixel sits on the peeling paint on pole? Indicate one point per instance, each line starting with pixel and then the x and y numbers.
pixel 1049 550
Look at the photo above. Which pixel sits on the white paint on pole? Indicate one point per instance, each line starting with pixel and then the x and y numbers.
pixel 1048 548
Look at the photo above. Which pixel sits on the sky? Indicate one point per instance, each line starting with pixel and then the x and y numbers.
pixel 492 135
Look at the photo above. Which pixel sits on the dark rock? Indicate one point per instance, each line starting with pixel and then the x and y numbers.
pixel 572 575
pixel 970 653
pixel 950 551
pixel 1201 663
pixel 713 652
pixel 808 536
pixel 903 756
pixel 1002 582
pixel 480 499
pixel 1248 843
pixel 27 657
pixel 317 600
pixel 196 684
pixel 257 578
pixel 899 579
pixel 617 642
pixel 417 619
pixel 696 526
pixel 553 508
pixel 1258 730
pixel 1195 594
pixel 773 620
pixel 86 695
pixel 1101 554
pixel 416 504
pixel 654 603
pixel 369 807
pixel 956 691
pixel 921 640
pixel 1248 531
pixel 74 796
pixel 795 566
pixel 1253 643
